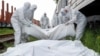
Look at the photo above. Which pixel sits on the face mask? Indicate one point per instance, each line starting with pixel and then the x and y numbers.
pixel 63 13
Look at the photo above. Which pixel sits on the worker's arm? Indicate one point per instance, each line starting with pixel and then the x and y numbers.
pixel 23 20
pixel 73 17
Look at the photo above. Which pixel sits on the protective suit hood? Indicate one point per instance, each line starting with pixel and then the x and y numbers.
pixel 33 7
pixel 44 14
pixel 26 6
pixel 62 11
pixel 67 8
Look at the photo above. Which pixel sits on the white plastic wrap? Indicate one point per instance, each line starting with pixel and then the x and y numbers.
pixel 58 32
pixel 50 48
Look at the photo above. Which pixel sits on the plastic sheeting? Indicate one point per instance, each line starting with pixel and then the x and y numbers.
pixel 50 48
pixel 58 32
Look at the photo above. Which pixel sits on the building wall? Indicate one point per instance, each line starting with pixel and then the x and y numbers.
pixel 79 4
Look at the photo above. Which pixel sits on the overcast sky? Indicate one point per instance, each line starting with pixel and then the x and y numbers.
pixel 47 6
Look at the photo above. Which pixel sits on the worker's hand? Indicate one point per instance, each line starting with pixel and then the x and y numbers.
pixel 67 23
pixel 31 25
pixel 28 25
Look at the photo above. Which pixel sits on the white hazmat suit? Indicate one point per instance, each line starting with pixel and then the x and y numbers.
pixel 79 19
pixel 64 16
pixel 61 16
pixel 44 21
pixel 29 15
pixel 18 21
pixel 55 20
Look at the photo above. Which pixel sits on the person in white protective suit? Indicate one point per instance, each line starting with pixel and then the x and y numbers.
pixel 62 16
pixel 18 21
pixel 44 21
pixel 63 30
pixel 55 20
pixel 79 19
pixel 29 15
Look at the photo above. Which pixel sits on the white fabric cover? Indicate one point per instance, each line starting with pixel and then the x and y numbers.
pixel 58 32
pixel 50 48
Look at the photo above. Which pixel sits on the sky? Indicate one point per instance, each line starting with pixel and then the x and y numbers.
pixel 43 6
